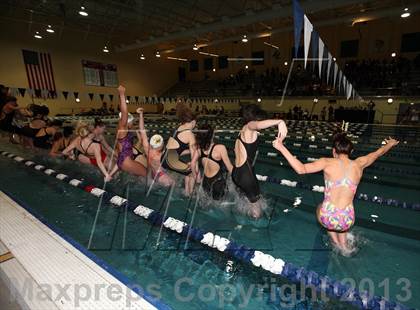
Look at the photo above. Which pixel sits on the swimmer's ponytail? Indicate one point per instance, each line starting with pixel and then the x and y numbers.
pixel 82 129
pixel 205 136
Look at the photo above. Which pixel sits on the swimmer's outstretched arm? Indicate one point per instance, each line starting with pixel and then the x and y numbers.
pixel 258 125
pixel 113 170
pixel 295 163
pixel 143 135
pixel 122 124
pixel 367 160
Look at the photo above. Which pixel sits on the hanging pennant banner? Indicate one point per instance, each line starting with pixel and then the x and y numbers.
pixel 350 91
pixel 137 99
pixel 335 73
pixel 45 93
pixel 111 97
pixel 102 96
pixel 298 24
pixel 22 91
pixel 76 95
pixel 329 66
pixel 65 94
pixel 91 95
pixel 13 91
pixel 344 85
pixel 321 47
pixel 52 94
pixel 340 76
pixel 307 37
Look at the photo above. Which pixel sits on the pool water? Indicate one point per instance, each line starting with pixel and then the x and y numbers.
pixel 191 276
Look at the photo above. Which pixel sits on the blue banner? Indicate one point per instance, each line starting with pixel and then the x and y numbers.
pixel 298 24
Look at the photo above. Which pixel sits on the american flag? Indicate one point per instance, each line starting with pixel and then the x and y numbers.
pixel 39 71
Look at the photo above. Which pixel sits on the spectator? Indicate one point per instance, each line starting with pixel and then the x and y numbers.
pixel 323 113
pixel 330 114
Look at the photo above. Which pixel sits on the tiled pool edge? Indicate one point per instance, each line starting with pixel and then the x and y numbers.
pixel 102 267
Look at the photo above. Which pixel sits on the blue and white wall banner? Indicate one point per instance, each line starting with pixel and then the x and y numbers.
pixel 307 37
pixel 321 47
pixel 335 74
pixel 298 24
pixel 329 67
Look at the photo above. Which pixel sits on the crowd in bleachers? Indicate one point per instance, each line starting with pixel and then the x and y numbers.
pixel 397 76
pixel 379 74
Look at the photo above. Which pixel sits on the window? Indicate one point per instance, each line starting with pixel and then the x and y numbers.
pixel 259 55
pixel 208 64
pixel 349 48
pixel 223 62
pixel 194 65
pixel 410 42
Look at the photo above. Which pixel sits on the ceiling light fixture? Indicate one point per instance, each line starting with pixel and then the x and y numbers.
pixel 77 99
pixel 390 100
pixel 286 63
pixel 105 50
pixel 272 45
pixel 208 54
pixel 393 54
pixel 37 35
pixel 157 54
pixel 142 57
pixel 246 67
pixel 175 58
pixel 195 47
pixel 405 13
pixel 83 11
pixel 244 38
pixel 49 29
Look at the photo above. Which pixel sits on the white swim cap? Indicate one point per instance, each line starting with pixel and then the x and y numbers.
pixel 130 117
pixel 156 141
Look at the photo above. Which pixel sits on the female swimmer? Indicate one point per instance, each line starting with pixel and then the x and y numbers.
pixel 215 161
pixel 243 174
pixel 154 151
pixel 342 176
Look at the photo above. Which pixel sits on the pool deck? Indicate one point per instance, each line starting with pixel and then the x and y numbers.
pixel 35 259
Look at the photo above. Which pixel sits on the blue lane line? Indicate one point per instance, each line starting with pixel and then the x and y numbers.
pixel 99 261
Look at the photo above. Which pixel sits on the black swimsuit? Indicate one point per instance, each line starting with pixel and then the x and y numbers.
pixel 182 147
pixel 244 176
pixel 216 185
pixel 43 142
pixel 28 131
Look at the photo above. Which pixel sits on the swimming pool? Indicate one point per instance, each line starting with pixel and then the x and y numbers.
pixel 159 260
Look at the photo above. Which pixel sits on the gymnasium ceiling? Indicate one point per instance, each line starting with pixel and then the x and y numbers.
pixel 175 24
